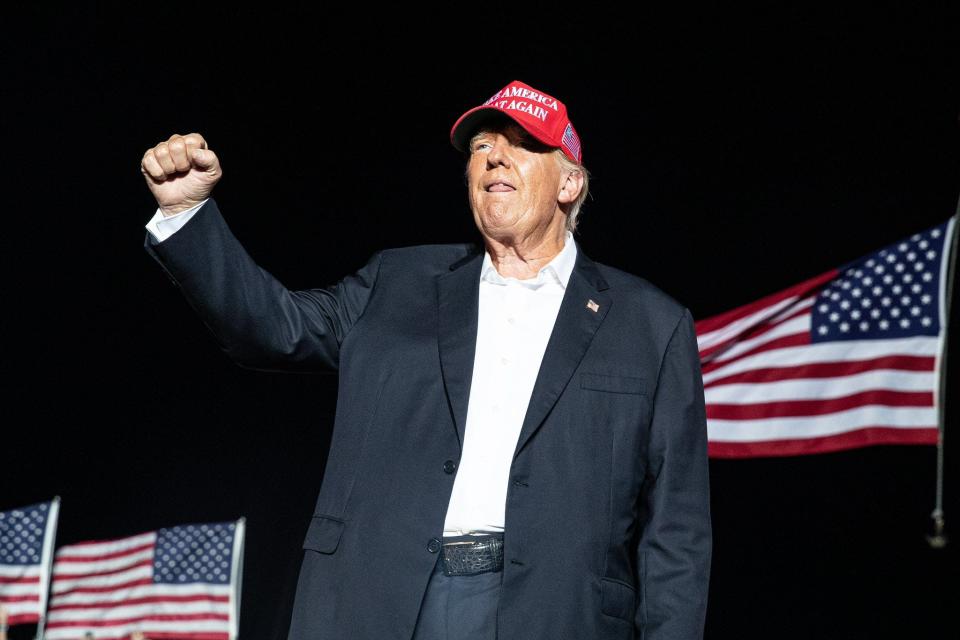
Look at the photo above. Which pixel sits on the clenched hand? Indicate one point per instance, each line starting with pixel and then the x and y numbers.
pixel 180 172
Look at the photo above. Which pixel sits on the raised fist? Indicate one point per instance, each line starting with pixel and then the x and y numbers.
pixel 180 172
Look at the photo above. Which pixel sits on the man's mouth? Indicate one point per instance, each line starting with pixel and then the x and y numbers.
pixel 500 186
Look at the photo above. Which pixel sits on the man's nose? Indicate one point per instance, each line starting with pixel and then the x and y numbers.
pixel 499 153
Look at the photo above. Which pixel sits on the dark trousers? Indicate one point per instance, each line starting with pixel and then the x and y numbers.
pixel 459 607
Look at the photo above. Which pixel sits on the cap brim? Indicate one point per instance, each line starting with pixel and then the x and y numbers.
pixel 464 128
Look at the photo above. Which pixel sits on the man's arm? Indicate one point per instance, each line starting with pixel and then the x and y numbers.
pixel 256 320
pixel 675 548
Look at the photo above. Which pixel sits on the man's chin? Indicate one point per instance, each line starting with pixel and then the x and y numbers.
pixel 497 223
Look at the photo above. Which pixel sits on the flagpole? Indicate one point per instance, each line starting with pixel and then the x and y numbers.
pixel 49 548
pixel 236 576
pixel 939 538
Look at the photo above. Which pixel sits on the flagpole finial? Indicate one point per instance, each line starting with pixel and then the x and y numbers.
pixel 939 539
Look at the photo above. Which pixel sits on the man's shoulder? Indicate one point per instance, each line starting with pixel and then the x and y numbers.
pixel 641 292
pixel 433 257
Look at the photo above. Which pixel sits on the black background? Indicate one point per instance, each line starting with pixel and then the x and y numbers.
pixel 732 154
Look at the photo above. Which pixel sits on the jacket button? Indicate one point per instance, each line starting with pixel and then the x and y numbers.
pixel 449 466
pixel 434 545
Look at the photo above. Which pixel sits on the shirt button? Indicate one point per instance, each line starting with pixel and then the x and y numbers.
pixel 434 545
pixel 504 361
pixel 512 320
pixel 449 466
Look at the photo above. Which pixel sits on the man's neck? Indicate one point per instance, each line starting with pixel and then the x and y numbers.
pixel 523 259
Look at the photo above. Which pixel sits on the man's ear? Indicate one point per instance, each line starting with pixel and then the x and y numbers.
pixel 570 187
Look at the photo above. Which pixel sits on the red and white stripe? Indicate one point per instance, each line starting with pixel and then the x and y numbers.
pixel 107 588
pixel 20 588
pixel 770 391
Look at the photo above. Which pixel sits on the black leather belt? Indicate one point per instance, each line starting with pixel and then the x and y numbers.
pixel 469 555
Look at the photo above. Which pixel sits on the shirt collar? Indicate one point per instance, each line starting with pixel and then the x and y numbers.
pixel 557 270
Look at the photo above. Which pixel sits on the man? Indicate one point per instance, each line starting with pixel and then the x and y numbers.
pixel 520 446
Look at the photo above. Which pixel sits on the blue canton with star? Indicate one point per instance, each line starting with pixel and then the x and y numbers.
pixel 892 293
pixel 21 534
pixel 194 553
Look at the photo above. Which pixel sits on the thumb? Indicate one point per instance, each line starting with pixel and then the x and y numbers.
pixel 203 158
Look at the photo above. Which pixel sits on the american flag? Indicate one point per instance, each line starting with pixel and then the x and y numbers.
pixel 846 359
pixel 26 548
pixel 178 582
pixel 572 141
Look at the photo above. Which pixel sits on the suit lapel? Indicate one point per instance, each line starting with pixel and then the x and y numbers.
pixel 577 322
pixel 458 298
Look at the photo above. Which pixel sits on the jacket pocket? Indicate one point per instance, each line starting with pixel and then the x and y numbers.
pixel 323 534
pixel 613 384
pixel 617 599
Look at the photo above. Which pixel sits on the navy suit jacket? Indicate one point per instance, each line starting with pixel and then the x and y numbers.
pixel 607 531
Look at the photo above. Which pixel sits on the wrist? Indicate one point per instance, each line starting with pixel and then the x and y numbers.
pixel 171 211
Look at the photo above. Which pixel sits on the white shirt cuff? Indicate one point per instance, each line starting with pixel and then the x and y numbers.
pixel 162 227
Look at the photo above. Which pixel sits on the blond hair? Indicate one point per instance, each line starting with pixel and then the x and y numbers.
pixel 571 209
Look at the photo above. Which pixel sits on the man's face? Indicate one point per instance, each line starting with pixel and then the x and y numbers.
pixel 513 182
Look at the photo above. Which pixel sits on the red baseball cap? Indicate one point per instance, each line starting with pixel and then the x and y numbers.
pixel 543 116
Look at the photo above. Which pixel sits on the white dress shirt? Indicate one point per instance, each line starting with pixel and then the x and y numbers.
pixel 516 318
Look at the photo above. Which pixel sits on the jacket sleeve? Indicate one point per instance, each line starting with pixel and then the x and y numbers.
pixel 257 321
pixel 675 547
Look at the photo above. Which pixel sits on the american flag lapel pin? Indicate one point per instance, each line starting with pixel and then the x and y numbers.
pixel 593 306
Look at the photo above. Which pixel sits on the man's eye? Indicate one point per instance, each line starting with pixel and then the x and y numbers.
pixel 479 145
